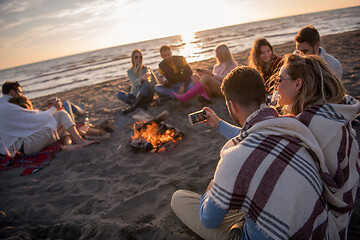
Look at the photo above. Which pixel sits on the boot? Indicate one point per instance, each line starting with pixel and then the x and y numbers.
pixel 131 99
pixel 196 89
pixel 203 98
pixel 139 102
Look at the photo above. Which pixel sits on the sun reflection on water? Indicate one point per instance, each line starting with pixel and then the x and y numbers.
pixel 191 47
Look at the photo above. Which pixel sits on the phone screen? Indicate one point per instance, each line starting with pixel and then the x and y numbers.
pixel 197 117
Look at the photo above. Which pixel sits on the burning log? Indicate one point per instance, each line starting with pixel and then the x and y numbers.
pixel 154 135
pixel 141 145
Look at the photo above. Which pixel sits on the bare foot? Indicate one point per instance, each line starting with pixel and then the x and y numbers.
pixel 79 145
pixel 87 142
pixel 100 137
pixel 71 147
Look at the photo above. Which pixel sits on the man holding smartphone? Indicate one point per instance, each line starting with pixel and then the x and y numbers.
pixel 266 184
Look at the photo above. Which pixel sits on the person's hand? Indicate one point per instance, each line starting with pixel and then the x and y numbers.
pixel 57 103
pixel 211 183
pixel 49 101
pixel 204 71
pixel 143 78
pixel 181 90
pixel 161 80
pixel 211 116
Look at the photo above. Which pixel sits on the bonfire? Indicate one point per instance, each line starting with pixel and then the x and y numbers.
pixel 154 137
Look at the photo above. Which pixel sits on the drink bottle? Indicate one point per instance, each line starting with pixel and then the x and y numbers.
pixel 148 72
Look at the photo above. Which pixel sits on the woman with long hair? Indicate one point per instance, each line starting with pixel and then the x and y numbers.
pixel 142 80
pixel 207 83
pixel 310 90
pixel 263 59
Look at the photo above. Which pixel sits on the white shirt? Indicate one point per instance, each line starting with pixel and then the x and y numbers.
pixel 332 62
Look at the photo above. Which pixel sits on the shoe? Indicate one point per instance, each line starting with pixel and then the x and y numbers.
pixel 131 99
pixel 196 89
pixel 234 234
pixel 236 231
pixel 128 110
pixel 139 102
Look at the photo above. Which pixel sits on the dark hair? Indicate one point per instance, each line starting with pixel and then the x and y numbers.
pixel 164 48
pixel 254 58
pixel 244 86
pixel 8 86
pixel 22 101
pixel 308 34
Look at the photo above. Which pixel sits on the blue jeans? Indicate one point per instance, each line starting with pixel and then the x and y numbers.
pixel 73 109
pixel 166 91
pixel 249 231
pixel 146 90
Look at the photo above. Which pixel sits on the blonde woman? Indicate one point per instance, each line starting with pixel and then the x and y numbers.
pixel 142 81
pixel 207 83
pixel 314 93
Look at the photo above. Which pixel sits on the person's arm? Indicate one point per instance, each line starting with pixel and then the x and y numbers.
pixel 23 119
pixel 211 215
pixel 154 79
pixel 216 75
pixel 220 76
pixel 135 80
pixel 161 78
pixel 228 130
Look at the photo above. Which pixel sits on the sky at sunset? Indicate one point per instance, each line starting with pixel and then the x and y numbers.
pixel 36 30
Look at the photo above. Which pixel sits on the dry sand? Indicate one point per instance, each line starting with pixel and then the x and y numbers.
pixel 108 191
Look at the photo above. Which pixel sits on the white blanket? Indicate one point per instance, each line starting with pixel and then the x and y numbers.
pixel 17 122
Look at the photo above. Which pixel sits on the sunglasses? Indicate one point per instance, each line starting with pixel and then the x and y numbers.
pixel 136 57
pixel 279 79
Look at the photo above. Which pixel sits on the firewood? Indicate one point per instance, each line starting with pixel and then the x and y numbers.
pixel 141 145
pixel 158 119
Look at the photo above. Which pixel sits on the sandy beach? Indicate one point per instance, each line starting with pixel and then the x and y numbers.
pixel 109 191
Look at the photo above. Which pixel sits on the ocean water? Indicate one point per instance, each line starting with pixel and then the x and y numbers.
pixel 85 69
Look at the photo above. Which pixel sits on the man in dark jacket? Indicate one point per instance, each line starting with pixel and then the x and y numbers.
pixel 175 74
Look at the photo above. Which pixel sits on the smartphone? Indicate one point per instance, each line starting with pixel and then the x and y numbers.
pixel 196 117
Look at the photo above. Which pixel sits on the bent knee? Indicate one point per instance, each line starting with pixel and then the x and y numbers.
pixel 175 199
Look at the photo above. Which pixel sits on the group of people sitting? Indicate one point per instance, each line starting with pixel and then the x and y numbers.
pixel 176 80
pixel 293 175
pixel 289 176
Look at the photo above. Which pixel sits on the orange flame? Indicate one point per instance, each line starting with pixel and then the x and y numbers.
pixel 152 134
